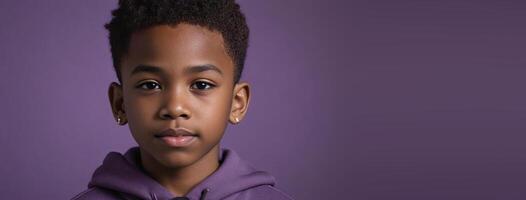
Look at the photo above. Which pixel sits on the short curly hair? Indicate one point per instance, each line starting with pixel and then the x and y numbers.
pixel 224 16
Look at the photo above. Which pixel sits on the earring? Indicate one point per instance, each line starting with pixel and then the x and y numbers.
pixel 119 120
pixel 236 120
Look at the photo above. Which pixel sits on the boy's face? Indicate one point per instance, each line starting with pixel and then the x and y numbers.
pixel 178 77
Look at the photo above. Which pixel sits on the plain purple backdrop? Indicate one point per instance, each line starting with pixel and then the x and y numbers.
pixel 354 99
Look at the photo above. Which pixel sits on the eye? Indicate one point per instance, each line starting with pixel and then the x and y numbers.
pixel 202 85
pixel 150 85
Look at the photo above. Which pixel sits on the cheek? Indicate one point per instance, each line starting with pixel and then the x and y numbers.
pixel 140 110
pixel 214 111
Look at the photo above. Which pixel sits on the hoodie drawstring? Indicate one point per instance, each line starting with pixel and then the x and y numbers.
pixel 202 197
pixel 203 193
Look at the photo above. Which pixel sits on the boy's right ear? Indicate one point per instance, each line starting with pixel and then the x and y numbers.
pixel 116 101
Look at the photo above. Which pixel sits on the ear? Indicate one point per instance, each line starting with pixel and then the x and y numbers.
pixel 240 101
pixel 117 102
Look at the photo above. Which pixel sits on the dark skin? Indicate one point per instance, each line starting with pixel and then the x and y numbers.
pixel 186 81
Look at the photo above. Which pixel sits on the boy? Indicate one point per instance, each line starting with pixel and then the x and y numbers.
pixel 179 63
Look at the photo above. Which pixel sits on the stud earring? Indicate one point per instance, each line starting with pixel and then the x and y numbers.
pixel 119 120
pixel 236 120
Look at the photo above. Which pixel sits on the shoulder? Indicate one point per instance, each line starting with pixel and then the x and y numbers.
pixel 95 193
pixel 275 193
pixel 263 192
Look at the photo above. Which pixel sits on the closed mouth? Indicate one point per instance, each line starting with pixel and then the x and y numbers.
pixel 175 133
pixel 177 138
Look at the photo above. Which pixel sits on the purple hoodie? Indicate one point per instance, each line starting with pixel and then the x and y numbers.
pixel 121 177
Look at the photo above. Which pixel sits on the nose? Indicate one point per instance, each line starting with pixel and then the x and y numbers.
pixel 174 105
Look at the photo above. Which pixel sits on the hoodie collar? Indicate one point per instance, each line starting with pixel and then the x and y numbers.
pixel 239 175
pixel 124 174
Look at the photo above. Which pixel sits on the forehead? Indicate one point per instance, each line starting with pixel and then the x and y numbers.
pixel 175 47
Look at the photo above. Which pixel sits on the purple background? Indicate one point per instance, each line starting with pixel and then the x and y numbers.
pixel 357 99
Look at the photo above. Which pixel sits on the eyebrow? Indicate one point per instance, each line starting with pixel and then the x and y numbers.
pixel 190 70
pixel 203 68
pixel 147 69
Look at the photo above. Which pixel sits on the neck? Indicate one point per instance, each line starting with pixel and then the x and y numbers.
pixel 180 180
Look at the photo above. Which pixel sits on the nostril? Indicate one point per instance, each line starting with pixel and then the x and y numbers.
pixel 167 116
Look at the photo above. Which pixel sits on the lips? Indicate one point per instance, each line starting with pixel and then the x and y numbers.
pixel 177 137
pixel 175 133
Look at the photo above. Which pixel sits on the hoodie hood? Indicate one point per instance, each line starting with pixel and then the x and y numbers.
pixel 123 174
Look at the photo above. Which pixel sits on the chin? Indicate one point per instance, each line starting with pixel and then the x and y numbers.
pixel 176 159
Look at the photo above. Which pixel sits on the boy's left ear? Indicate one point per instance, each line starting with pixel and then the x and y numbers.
pixel 240 101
